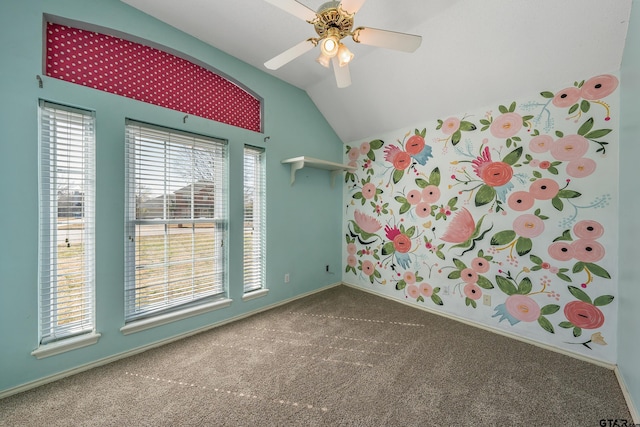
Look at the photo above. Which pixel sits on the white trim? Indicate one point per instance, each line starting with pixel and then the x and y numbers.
pixel 255 294
pixel 51 378
pixel 584 358
pixel 65 345
pixel 627 396
pixel 162 319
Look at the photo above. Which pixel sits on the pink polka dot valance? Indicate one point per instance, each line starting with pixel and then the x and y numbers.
pixel 140 72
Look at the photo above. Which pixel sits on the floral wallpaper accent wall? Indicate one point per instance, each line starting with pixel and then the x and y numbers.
pixel 504 217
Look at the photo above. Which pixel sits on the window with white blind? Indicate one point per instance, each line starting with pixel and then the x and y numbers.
pixel 67 222
pixel 176 220
pixel 254 219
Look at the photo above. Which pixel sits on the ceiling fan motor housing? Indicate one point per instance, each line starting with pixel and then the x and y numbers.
pixel 330 15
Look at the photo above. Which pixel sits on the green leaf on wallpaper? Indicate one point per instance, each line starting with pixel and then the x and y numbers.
pixel 371 155
pixel 469 302
pixel 388 248
pixel 580 294
pixel 597 270
pixel 523 245
pixel 566 235
pixel 526 119
pixel 422 183
pixel 585 105
pixel 525 286
pixel 456 137
pixel 586 126
pixel 452 202
pixel 564 277
pixel 420 299
pixel 503 109
pixel 603 300
pixel 485 122
pixel 506 286
pixel 436 299
pixel 566 325
pixel 397 175
pixel 537 174
pixel 434 177
pixel 557 203
pixel 503 237
pixel 455 274
pixel 411 231
pixel 553 170
pixel 376 144
pixel 377 274
pixel 547 94
pixel 535 259
pixel 440 123
pixel 512 107
pixel 484 283
pixel 467 126
pixel 549 309
pixel 485 195
pixel 401 285
pixel 460 265
pixel 578 267
pixel 573 108
pixel 405 208
pixel 599 133
pixel 577 332
pixel 513 156
pixel 546 325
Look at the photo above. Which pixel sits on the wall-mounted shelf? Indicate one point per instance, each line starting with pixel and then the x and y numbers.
pixel 309 162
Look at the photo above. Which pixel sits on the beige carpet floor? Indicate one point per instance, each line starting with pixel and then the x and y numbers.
pixel 341 357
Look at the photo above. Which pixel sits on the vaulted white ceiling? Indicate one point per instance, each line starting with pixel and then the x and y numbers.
pixel 473 53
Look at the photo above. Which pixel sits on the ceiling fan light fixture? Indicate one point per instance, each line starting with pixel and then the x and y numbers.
pixel 329 45
pixel 344 55
pixel 323 60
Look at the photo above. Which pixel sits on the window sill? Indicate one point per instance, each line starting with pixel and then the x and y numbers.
pixel 162 319
pixel 255 294
pixel 63 346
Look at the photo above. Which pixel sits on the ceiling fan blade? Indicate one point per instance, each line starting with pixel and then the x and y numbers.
pixel 295 8
pixel 387 39
pixel 289 54
pixel 351 6
pixel 343 76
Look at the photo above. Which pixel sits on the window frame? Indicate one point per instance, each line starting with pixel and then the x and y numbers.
pixel 254 177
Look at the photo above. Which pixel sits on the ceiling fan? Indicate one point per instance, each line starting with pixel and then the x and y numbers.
pixel 334 21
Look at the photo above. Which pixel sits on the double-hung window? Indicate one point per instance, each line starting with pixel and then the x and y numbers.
pixel 176 220
pixel 254 219
pixel 67 222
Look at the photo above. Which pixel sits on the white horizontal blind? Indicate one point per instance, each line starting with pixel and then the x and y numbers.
pixel 176 219
pixel 67 221
pixel 254 219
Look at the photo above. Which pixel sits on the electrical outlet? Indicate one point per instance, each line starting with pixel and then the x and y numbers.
pixel 486 299
pixel 326 268
pixel 286 278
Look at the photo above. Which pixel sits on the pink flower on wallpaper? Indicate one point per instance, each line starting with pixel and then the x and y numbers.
pixel 364 148
pixel 599 87
pixel 506 125
pixel 494 174
pixel 423 209
pixel 391 232
pixel 461 227
pixel 402 243
pixel 414 145
pixel 426 290
pixel 400 159
pixel 581 168
pixel 480 265
pixel 352 261
pixel 472 291
pixel 368 191
pixel 587 250
pixel 354 153
pixel 540 143
pixel 450 125
pixel 366 223
pixel 469 275
pixel 351 248
pixel 561 251
pixel 588 229
pixel 409 277
pixel 566 97
pixel 544 189
pixel 520 201
pixel 430 194
pixel 368 268
pixel 413 197
pixel 570 147
pixel 584 315
pixel 523 308
pixel 528 225
pixel 413 291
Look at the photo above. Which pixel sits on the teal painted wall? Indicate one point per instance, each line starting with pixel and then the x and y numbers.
pixel 304 220
pixel 629 321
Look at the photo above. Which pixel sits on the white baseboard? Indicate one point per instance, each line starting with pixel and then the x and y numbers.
pixel 627 396
pixel 51 378
pixel 507 334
